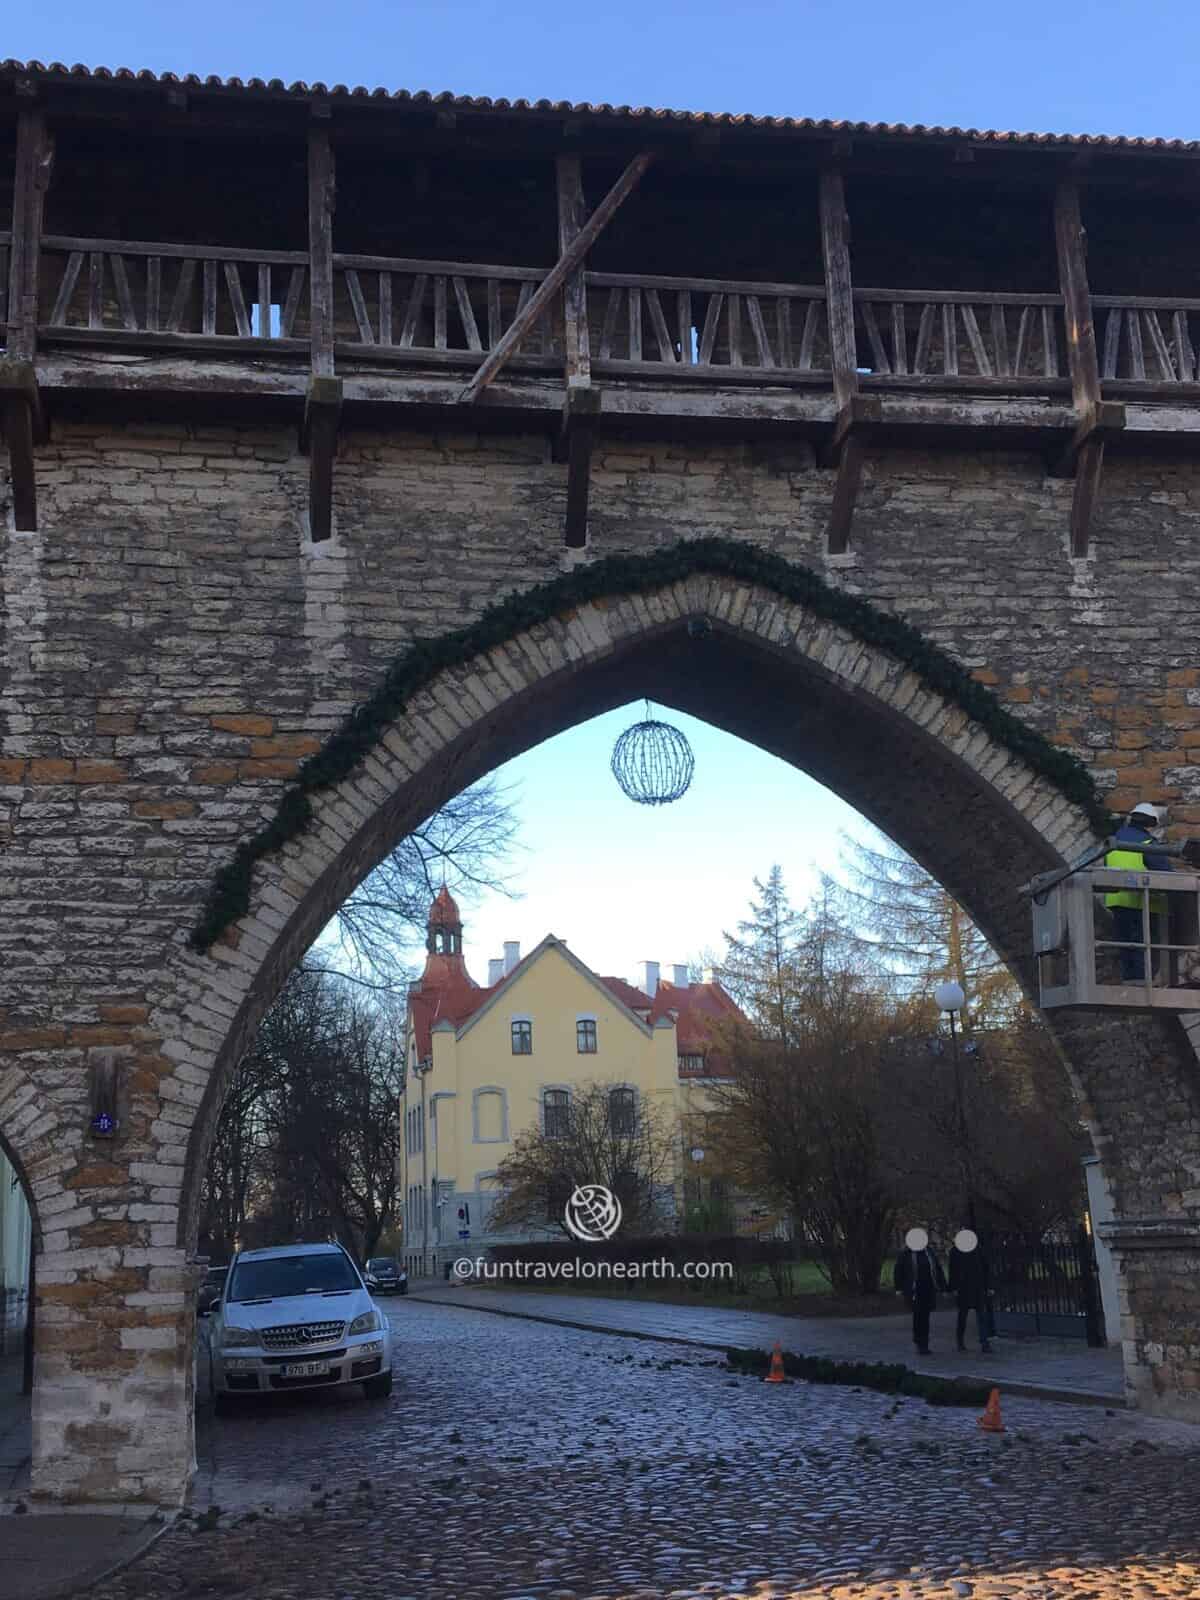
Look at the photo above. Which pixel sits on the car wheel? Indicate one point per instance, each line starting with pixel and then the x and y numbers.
pixel 404 1289
pixel 378 1388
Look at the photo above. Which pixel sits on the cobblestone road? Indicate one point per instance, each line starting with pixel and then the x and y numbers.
pixel 516 1459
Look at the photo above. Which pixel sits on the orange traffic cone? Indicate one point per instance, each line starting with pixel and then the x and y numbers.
pixel 776 1373
pixel 990 1421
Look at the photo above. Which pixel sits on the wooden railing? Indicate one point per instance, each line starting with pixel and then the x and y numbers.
pixel 708 322
pixel 403 310
pixel 1147 340
pixel 111 286
pixel 440 308
pixel 919 333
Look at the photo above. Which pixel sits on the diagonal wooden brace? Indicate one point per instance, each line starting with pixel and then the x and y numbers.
pixel 24 427
pixel 318 439
pixel 580 411
pixel 857 417
pixel 571 258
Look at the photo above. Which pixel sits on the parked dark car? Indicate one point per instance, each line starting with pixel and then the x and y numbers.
pixel 385 1275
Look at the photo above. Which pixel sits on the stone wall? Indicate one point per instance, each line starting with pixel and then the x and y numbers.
pixel 172 649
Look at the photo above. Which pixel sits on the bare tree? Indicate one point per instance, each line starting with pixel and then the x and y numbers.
pixel 309 1140
pixel 605 1134
pixel 468 845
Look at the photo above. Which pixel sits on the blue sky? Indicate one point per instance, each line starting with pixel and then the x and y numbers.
pixel 624 883
pixel 662 884
pixel 1109 67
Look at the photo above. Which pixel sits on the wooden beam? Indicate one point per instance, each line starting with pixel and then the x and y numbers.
pixel 845 451
pixel 1077 304
pixel 845 496
pixel 846 445
pixel 35 157
pixel 1085 453
pixel 580 412
pixel 572 215
pixel 320 247
pixel 835 248
pixel 557 276
pixel 319 433
pixel 1103 421
pixel 1088 469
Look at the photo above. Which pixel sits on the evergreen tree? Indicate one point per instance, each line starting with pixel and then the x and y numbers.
pixel 906 922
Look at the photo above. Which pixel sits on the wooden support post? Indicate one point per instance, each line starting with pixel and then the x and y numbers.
pixel 322 413
pixel 18 387
pixel 35 158
pixel 582 404
pixel 572 215
pixel 24 424
pixel 323 403
pixel 320 248
pixel 557 276
pixel 1095 421
pixel 845 451
pixel 579 432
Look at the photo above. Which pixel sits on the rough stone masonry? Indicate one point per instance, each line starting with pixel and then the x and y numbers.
pixel 173 648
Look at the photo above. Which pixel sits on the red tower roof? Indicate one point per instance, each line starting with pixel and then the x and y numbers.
pixel 444 911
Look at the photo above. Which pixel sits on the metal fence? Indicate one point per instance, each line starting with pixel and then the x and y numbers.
pixel 1049 1286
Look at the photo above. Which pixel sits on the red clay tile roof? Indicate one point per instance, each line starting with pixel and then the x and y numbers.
pixel 627 994
pixel 701 1008
pixel 822 128
pixel 450 1000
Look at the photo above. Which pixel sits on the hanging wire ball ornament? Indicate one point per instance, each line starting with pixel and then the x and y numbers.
pixel 653 762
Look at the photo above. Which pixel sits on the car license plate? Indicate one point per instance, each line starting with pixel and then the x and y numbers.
pixel 306 1369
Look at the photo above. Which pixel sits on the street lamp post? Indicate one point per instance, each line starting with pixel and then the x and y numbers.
pixel 949 997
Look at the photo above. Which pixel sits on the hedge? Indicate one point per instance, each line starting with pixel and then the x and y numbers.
pixel 886 1377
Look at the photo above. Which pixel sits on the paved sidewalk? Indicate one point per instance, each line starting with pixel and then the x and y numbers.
pixel 1056 1369
pixel 47 1556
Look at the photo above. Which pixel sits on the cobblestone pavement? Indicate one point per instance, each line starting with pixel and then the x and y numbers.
pixel 1064 1366
pixel 517 1459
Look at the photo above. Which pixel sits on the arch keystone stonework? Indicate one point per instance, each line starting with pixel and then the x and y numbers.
pixel 182 821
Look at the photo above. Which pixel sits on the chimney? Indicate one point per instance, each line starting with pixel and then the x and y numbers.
pixel 495 970
pixel 512 954
pixel 650 982
pixel 709 975
pixel 680 977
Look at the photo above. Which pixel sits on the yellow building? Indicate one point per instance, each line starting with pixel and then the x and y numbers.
pixel 484 1064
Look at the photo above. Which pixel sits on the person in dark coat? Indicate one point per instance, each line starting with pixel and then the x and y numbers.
pixel 969 1285
pixel 918 1276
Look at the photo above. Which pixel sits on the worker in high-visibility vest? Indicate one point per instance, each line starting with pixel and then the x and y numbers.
pixel 1125 905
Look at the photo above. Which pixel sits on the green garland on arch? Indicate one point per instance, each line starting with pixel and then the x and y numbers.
pixel 230 896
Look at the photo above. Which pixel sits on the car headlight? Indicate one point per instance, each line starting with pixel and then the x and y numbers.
pixel 367 1323
pixel 232 1338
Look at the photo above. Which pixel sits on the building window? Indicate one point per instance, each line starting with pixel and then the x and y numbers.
pixel 689 1066
pixel 585 1036
pixel 490 1115
pixel 622 1111
pixel 522 1038
pixel 556 1110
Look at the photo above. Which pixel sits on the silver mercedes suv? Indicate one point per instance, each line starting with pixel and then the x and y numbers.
pixel 297 1317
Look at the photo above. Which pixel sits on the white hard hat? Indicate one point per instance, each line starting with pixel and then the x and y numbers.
pixel 1145 809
